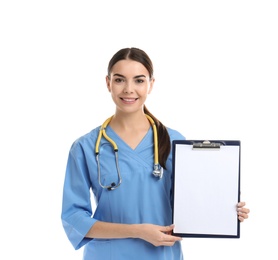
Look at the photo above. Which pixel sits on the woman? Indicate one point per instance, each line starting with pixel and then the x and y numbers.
pixel 133 217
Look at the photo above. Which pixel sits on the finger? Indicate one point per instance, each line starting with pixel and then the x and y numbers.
pixel 241 204
pixel 171 239
pixel 242 216
pixel 168 243
pixel 243 210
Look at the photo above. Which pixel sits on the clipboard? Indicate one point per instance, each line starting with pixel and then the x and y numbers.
pixel 206 188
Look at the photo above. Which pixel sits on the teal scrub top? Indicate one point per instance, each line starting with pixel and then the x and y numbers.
pixel 141 198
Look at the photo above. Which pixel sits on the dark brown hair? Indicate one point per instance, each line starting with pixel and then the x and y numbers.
pixel 164 145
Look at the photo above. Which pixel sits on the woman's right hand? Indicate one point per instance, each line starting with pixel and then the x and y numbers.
pixel 157 235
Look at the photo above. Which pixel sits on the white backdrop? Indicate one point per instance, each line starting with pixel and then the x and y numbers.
pixel 216 78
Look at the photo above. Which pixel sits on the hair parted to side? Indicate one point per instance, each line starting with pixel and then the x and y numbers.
pixel 164 145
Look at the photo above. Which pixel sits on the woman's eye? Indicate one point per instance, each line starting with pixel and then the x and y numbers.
pixel 139 80
pixel 119 80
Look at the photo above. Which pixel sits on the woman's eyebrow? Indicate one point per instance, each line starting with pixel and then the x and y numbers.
pixel 119 75
pixel 122 76
pixel 140 76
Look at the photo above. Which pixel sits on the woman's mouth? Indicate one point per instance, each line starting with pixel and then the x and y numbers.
pixel 129 100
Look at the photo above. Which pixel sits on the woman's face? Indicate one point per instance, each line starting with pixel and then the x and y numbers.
pixel 129 85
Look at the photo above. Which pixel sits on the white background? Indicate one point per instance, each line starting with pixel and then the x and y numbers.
pixel 216 65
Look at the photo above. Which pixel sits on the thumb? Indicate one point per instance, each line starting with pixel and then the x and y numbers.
pixel 168 229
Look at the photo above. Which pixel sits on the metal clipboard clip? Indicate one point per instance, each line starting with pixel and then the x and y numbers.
pixel 207 145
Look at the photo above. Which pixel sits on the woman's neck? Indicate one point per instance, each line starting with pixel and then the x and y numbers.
pixel 131 129
pixel 131 121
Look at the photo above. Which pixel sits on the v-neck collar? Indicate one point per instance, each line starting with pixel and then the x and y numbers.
pixel 119 141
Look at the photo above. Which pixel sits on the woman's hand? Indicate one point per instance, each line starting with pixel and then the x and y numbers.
pixel 242 212
pixel 157 235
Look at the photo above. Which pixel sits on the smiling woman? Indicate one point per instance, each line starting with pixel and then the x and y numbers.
pixel 130 177
pixel 129 89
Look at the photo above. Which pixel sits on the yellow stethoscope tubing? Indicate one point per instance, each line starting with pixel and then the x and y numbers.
pixel 101 133
pixel 158 171
pixel 155 139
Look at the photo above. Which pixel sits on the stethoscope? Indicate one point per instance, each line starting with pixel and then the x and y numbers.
pixel 158 170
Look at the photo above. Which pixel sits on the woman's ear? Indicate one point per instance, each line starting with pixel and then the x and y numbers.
pixel 108 83
pixel 151 86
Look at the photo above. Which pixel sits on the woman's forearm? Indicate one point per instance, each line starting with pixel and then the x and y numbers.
pixel 113 230
pixel 154 234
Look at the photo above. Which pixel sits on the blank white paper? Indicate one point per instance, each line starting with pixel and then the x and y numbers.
pixel 206 190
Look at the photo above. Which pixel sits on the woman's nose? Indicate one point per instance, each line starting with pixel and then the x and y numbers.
pixel 128 87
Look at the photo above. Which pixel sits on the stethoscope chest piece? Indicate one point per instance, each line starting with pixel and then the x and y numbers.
pixel 158 171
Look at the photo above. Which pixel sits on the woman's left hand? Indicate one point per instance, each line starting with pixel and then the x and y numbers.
pixel 242 212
